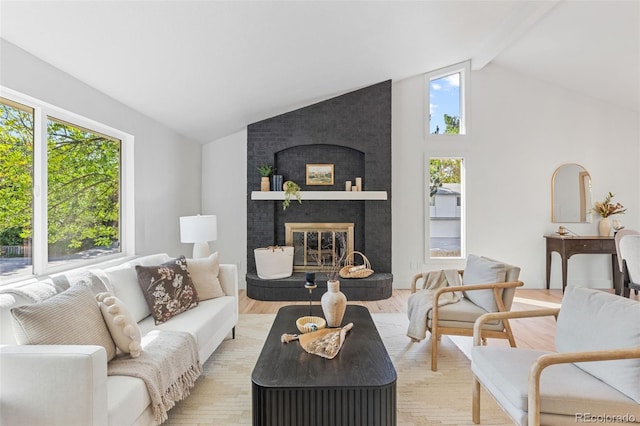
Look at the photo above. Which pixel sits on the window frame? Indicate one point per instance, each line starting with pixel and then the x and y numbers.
pixel 427 204
pixel 40 256
pixel 464 68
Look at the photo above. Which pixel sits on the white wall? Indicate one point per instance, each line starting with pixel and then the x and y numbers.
pixel 224 183
pixel 167 165
pixel 522 129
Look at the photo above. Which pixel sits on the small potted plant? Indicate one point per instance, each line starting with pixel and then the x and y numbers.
pixel 290 189
pixel 265 171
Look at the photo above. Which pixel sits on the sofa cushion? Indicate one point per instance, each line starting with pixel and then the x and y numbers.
pixel 202 322
pixel 124 282
pixel 204 274
pixel 167 288
pixel 480 270
pixel 122 326
pixel 128 399
pixel 593 320
pixel 69 318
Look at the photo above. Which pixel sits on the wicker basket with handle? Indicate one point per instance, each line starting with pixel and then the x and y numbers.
pixel 350 270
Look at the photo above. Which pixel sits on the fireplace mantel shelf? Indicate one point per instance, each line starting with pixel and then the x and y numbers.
pixel 322 195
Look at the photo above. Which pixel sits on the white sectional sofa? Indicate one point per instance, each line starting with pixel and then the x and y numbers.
pixel 68 384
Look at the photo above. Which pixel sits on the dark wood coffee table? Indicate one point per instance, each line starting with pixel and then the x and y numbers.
pixel 293 387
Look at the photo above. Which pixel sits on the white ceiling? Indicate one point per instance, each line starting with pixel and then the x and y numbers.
pixel 208 68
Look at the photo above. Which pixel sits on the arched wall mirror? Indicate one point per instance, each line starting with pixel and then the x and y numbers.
pixel 571 194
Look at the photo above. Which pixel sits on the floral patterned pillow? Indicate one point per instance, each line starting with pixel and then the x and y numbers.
pixel 167 288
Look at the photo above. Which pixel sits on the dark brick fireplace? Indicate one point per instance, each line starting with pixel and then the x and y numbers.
pixel 352 132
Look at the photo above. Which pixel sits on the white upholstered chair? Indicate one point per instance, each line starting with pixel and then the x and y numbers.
pixel 594 377
pixel 628 250
pixel 487 286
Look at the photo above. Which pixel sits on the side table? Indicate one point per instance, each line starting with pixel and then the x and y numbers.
pixel 567 246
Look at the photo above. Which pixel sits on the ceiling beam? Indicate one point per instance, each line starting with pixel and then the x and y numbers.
pixel 520 20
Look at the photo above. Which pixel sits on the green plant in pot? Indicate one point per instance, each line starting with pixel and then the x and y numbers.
pixel 291 189
pixel 265 171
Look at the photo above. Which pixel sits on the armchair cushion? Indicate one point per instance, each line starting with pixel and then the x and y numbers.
pixel 461 314
pixel 505 372
pixel 480 270
pixel 591 321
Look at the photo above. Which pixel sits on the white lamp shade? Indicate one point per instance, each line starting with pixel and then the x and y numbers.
pixel 198 229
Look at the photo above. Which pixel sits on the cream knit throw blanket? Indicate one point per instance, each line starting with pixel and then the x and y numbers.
pixel 421 302
pixel 169 366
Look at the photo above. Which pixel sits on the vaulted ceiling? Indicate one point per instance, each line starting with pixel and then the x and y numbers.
pixel 208 68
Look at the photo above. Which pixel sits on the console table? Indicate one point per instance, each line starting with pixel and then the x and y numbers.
pixel 567 246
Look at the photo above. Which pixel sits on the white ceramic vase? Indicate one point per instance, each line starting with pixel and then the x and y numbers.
pixel 333 303
pixel 604 228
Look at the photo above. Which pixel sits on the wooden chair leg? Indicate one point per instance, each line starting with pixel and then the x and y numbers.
pixel 434 350
pixel 507 329
pixel 475 404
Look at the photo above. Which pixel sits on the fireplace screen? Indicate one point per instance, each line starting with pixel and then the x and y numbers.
pixel 318 246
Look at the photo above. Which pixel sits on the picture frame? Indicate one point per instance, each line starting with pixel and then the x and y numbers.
pixel 320 174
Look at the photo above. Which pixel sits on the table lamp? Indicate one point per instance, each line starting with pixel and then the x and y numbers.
pixel 199 230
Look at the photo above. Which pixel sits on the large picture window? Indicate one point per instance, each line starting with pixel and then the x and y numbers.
pixel 61 183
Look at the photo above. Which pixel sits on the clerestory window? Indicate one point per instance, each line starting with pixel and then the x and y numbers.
pixel 447 92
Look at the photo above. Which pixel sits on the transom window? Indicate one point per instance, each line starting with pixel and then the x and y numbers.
pixel 447 90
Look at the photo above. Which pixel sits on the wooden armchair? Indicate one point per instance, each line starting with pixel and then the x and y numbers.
pixel 480 295
pixel 593 378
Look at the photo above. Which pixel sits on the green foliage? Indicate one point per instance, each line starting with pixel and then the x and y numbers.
pixel 443 171
pixel 83 183
pixel 16 169
pixel 291 188
pixel 11 236
pixel 266 170
pixel 452 124
pixel 83 187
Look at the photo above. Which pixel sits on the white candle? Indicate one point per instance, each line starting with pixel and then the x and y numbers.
pixel 359 183
pixel 348 186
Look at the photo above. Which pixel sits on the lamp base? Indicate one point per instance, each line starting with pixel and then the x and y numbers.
pixel 201 250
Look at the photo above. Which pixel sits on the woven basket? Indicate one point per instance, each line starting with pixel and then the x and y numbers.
pixel 310 324
pixel 350 270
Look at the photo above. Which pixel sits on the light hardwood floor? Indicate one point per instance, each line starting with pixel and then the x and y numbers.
pixel 537 333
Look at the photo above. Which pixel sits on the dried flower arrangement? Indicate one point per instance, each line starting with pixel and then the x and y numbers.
pixel 607 208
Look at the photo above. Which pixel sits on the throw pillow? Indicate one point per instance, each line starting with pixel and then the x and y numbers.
pixel 123 328
pixel 124 282
pixel 593 320
pixel 480 270
pixel 68 318
pixel 167 288
pixel 204 274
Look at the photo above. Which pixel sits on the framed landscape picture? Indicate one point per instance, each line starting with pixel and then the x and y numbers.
pixel 319 174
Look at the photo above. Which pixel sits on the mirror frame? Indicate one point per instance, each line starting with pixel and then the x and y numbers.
pixel 585 214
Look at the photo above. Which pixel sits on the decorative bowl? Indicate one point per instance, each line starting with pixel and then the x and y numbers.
pixel 309 324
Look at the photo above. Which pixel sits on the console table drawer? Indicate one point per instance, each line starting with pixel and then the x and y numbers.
pixel 585 246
